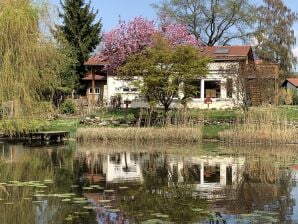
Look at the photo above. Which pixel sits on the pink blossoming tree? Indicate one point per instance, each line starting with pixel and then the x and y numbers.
pixel 134 36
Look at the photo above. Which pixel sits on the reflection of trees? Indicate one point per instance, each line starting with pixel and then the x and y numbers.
pixel 191 172
pixel 155 170
pixel 90 166
pixel 266 183
pixel 155 195
pixel 18 163
pixel 177 202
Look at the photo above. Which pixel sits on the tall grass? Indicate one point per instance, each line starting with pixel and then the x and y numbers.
pixel 135 134
pixel 176 117
pixel 269 127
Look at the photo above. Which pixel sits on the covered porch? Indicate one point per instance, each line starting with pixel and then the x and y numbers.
pixel 96 87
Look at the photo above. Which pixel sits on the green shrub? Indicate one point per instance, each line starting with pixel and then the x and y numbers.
pixel 68 107
pixel 295 99
pixel 92 116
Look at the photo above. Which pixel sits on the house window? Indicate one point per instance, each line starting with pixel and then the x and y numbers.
pixel 125 89
pixel 229 88
pixel 212 174
pixel 96 90
pixel 212 89
pixel 134 89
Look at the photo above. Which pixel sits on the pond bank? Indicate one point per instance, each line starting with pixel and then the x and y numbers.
pixel 213 122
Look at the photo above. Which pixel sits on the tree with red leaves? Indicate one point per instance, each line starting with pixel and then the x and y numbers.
pixel 132 37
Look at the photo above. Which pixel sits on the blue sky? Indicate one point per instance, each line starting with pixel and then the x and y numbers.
pixel 111 10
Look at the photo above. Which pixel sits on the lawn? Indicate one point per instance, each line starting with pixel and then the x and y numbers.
pixel 211 131
pixel 71 124
pixel 291 112
pixel 65 124
pixel 220 114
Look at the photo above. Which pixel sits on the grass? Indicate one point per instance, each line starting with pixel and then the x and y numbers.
pixel 212 131
pixel 194 113
pixel 209 132
pixel 289 113
pixel 216 114
pixel 167 134
pixel 267 127
pixel 114 114
pixel 70 125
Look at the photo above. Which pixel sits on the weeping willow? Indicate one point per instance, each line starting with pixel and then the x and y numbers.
pixel 29 63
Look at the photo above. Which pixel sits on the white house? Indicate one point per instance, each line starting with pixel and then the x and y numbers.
pixel 217 86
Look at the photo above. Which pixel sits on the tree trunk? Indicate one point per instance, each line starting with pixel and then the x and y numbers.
pixel 165 114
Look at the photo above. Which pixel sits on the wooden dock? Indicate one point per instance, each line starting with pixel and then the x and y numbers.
pixel 49 135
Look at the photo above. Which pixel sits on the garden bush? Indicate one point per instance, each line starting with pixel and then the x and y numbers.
pixel 68 107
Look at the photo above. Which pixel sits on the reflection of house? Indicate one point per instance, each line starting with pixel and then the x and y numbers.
pixel 217 85
pixel 207 173
pixel 112 168
pixel 121 167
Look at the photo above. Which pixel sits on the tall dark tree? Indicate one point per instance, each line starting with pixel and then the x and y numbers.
pixel 275 34
pixel 79 30
pixel 215 22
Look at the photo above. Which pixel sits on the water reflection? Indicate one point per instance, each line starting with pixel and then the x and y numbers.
pixel 171 178
pixel 189 184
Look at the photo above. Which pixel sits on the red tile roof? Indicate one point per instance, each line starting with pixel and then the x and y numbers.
pixel 97 59
pixel 293 81
pixel 227 52
pixel 88 77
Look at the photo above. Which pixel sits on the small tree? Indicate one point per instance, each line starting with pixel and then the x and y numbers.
pixel 242 85
pixel 165 71
pixel 288 95
pixel 252 84
pixel 238 75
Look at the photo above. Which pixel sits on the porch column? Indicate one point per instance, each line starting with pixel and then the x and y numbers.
pixel 93 87
pixel 202 88
pixel 223 88
pixel 202 173
pixel 223 174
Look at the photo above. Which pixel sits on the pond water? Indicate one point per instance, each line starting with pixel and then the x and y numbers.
pixel 147 184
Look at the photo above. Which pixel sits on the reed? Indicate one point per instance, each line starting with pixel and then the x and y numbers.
pixel 267 127
pixel 136 134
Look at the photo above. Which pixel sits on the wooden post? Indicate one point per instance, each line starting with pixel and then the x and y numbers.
pixel 93 86
pixel 126 102
pixel 276 80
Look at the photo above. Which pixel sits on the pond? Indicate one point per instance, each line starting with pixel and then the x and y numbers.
pixel 206 183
